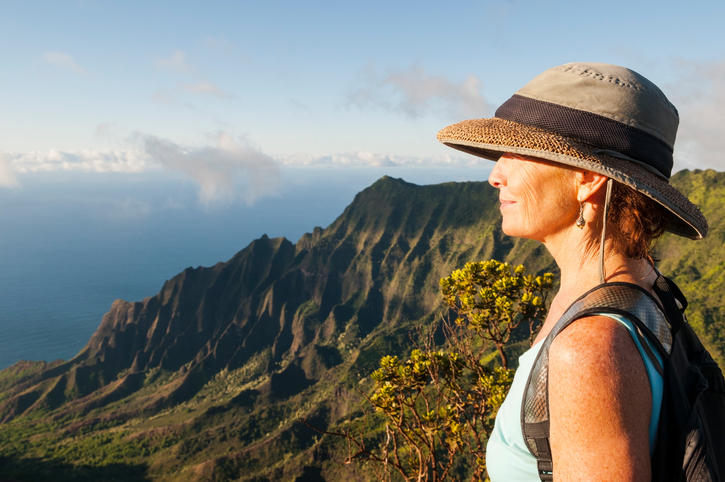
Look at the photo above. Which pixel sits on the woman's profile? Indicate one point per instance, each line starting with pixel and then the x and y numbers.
pixel 583 157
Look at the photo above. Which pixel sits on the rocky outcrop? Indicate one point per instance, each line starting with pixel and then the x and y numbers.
pixel 377 264
pixel 208 376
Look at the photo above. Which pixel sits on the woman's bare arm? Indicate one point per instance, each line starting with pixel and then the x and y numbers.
pixel 600 403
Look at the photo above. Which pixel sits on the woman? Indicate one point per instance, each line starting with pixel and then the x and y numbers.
pixel 584 154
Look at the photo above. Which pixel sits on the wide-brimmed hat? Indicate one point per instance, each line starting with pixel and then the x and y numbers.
pixel 598 117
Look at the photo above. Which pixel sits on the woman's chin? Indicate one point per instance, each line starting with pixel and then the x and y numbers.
pixel 515 231
pixel 510 229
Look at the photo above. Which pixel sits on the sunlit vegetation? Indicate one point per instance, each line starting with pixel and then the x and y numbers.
pixel 282 331
pixel 439 405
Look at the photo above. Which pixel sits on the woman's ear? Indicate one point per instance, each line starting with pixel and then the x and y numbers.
pixel 591 187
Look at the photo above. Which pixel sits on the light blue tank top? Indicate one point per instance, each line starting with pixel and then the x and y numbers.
pixel 507 457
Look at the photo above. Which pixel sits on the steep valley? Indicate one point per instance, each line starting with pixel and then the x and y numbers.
pixel 207 379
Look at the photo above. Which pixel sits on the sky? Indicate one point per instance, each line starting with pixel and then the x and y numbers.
pixel 138 138
pixel 230 95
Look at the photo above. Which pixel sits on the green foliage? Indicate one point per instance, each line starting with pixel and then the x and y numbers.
pixel 393 242
pixel 492 299
pixel 439 405
pixel 697 266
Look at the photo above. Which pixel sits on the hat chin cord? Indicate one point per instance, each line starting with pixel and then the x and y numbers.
pixel 607 202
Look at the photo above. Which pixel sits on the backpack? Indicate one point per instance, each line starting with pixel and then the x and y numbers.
pixel 691 431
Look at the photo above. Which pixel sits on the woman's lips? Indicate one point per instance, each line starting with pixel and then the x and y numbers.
pixel 505 203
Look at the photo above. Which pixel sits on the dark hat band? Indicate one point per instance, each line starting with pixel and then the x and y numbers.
pixel 592 129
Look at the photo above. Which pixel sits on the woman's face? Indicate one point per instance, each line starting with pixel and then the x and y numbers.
pixel 538 197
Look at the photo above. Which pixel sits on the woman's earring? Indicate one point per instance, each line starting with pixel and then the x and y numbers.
pixel 581 221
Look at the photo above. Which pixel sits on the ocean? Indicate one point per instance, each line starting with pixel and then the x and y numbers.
pixel 71 243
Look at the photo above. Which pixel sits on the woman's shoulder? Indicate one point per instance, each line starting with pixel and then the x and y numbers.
pixel 595 354
pixel 593 339
pixel 600 399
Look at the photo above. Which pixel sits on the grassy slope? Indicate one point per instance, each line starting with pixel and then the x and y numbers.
pixel 388 250
pixel 698 267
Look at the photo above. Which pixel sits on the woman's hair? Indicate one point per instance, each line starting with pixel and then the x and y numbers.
pixel 636 221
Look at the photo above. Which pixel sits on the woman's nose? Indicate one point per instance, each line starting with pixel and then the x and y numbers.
pixel 496 178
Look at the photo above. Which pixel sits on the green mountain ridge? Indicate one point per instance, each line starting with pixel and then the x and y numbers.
pixel 206 379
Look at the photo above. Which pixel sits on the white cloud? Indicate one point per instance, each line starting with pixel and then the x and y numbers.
pixel 206 88
pixel 218 169
pixel 226 159
pixel 63 61
pixel 104 129
pixel 221 170
pixel 350 159
pixel 700 98
pixel 87 160
pixel 370 159
pixel 7 176
pixel 416 93
pixel 175 63
pixel 225 169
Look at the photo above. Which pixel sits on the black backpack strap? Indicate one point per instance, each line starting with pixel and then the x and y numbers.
pixel 625 299
pixel 690 440
pixel 648 349
pixel 544 463
pixel 670 296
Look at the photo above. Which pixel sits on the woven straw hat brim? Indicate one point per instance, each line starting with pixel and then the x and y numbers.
pixel 490 138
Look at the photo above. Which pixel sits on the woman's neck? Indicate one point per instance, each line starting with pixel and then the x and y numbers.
pixel 577 255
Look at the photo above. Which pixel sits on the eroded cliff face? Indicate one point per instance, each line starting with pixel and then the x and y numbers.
pixel 210 372
pixel 377 264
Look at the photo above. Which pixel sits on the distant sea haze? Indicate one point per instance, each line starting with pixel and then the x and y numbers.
pixel 70 245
